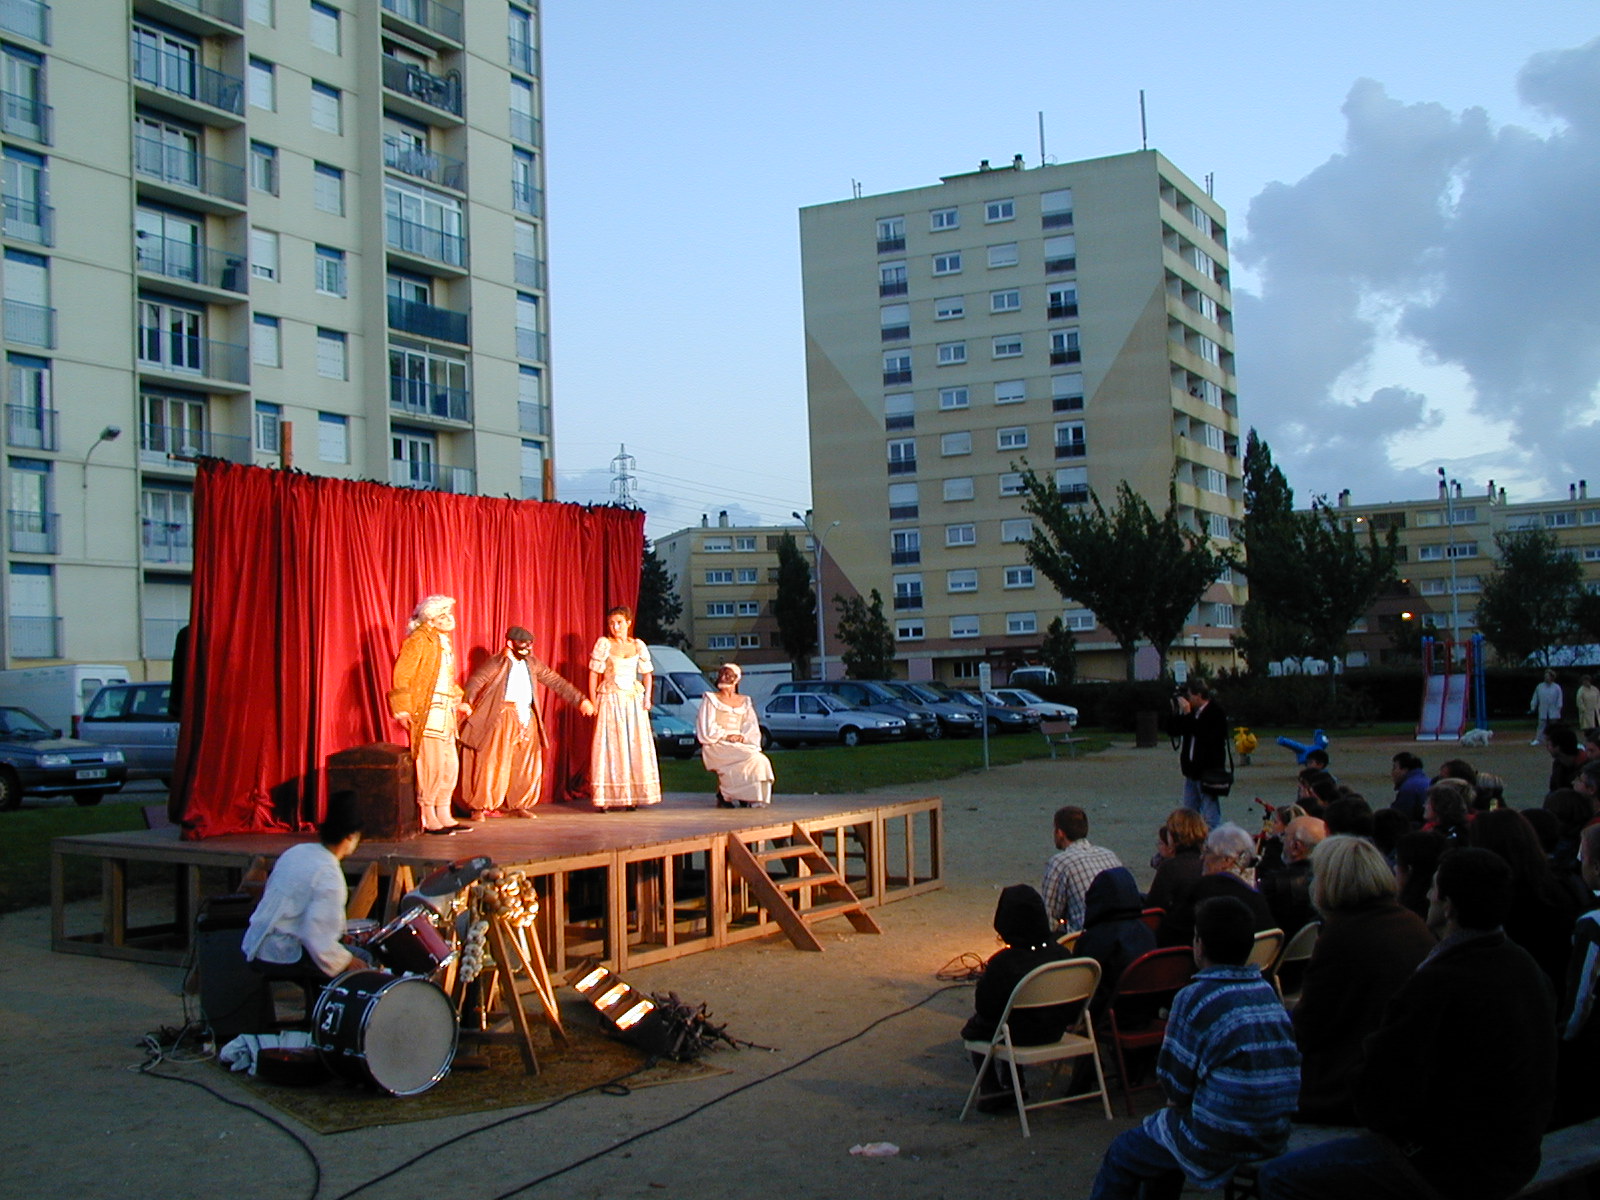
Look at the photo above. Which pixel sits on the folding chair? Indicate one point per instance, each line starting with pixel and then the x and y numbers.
pixel 1136 1010
pixel 1152 917
pixel 1264 955
pixel 1070 981
pixel 1292 962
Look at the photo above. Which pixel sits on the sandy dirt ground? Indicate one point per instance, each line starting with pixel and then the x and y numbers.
pixel 863 1035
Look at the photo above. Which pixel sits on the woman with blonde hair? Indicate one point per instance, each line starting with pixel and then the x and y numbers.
pixel 1177 860
pixel 1368 947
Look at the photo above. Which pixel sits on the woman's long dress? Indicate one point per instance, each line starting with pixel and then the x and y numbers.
pixel 744 774
pixel 622 764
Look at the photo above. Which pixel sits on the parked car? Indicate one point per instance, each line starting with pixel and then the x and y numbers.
pixel 135 719
pixel 35 760
pixel 957 719
pixel 1001 718
pixel 797 717
pixel 674 738
pixel 1048 710
pixel 920 721
pixel 1032 677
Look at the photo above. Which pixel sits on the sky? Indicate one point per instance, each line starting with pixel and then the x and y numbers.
pixel 1413 191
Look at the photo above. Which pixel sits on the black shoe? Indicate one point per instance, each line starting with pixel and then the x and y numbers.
pixel 459 828
pixel 723 802
pixel 445 832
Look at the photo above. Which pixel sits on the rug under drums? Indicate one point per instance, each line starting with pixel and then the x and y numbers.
pixel 484 1077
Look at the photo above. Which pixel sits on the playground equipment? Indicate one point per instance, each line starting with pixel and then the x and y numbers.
pixel 1319 741
pixel 1451 689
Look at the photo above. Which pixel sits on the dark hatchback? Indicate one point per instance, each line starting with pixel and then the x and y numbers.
pixel 35 760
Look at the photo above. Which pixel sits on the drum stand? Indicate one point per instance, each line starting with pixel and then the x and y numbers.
pixel 519 970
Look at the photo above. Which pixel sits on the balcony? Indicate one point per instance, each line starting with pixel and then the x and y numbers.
pixel 25 117
pixel 439 19
pixel 401 155
pixel 902 466
pixel 29 221
pixel 1056 220
pixel 524 57
pixel 424 241
pixel 181 78
pixel 892 378
pixel 905 558
pixel 34 532
pixel 1071 450
pixel 532 418
pixel 167 542
pixel 427 320
pixel 35 637
pixel 419 398
pixel 891 245
pixel 161 636
pixel 29 428
pixel 908 602
pixel 188 263
pixel 1066 404
pixel 26 18
pixel 892 287
pixel 1060 312
pixel 173 445
pixel 1062 357
pixel 903 512
pixel 431 477
pixel 182 354
pixel 528 270
pixel 530 345
pixel 204 18
pixel 524 128
pixel 30 324
pixel 526 198
pixel 1060 266
pixel 1075 493
pixel 895 333
pixel 189 171
pixel 432 94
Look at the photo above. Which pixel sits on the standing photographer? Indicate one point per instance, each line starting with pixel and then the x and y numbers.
pixel 1202 728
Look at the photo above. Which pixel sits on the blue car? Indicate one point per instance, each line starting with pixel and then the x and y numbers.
pixel 35 760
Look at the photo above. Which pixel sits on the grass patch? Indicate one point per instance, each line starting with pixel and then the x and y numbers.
pixel 25 861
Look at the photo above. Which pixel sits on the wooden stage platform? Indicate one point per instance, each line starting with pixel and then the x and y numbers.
pixel 627 888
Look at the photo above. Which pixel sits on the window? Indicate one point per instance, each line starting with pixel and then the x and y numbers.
pixel 333 354
pixel 324 27
pixel 524 125
pixel 952 354
pixel 264 168
pixel 955 443
pixel 950 308
pixel 1008 346
pixel 1009 300
pixel 1457 550
pixel 719 608
pixel 743 544
pixel 1060 254
pixel 261 12
pixel 749 641
pixel 895 322
pixel 1024 622
pixel 1066 392
pixel 964 627
pixel 1070 440
pixel 892 279
pixel 717 545
pixel 1004 255
pixel 1552 520
pixel 524 181
pixel 1011 483
pixel 1014 437
pixel 902 501
pixel 714 578
pixel 1055 208
pixel 26 187
pixel 263 254
pixel 959 489
pixel 1064 347
pixel 262 85
pixel 947 264
pixel 907 591
pixel 23 113
pixel 721 641
pixel 1000 210
pixel 1213 480
pixel 944 218
pixel 749 608
pixel 961 535
pixel 31 421
pixel 32 527
pixel 896 368
pixel 530 340
pixel 1017 529
pixel 952 398
pixel 891 234
pixel 746 575
pixel 333 438
pixel 903 456
pixel 325 107
pixel 1467 514
pixel 1072 483
pixel 909 631
pixel 330 271
pixel 269 427
pixel 327 189
pixel 1010 391
pixel 905 547
pixel 964 580
pixel 171 336
pixel 1019 577
pixel 519 30
pixel 1079 620
pixel 265 345
pixel 1061 301
pixel 899 411
pixel 1220 527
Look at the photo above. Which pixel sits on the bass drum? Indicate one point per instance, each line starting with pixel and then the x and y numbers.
pixel 396 1032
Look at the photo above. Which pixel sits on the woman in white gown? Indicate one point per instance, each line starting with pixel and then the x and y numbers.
pixel 730 743
pixel 622 764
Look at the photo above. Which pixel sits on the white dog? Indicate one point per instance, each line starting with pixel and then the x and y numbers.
pixel 1477 737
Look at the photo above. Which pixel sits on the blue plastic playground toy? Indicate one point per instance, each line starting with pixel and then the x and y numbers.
pixel 1319 741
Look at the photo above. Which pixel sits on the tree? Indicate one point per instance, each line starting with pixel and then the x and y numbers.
pixel 1060 651
pixel 795 607
pixel 1141 574
pixel 1529 602
pixel 659 604
pixel 867 638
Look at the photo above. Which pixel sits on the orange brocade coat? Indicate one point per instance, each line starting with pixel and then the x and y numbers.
pixel 415 673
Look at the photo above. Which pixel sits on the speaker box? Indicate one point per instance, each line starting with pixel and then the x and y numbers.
pixel 385 787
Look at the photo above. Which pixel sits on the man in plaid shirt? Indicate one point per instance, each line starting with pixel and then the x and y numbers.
pixel 1072 868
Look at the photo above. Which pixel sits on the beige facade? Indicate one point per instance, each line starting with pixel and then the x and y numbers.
pixel 297 233
pixel 727 577
pixel 1075 319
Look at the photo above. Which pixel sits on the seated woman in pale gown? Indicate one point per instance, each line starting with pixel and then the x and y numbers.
pixel 730 743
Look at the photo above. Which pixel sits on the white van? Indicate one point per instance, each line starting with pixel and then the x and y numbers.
pixel 679 683
pixel 58 695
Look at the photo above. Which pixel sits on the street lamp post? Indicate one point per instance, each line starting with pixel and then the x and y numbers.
pixel 816 556
pixel 1447 490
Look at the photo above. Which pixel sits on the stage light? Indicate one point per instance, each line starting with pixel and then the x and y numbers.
pixel 611 995
pixel 631 1014
pixel 635 1014
pixel 590 981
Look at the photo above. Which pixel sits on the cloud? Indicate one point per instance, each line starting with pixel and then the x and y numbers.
pixel 1475 246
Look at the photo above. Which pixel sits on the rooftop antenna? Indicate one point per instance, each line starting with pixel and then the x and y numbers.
pixel 1042 158
pixel 1144 129
pixel 855 188
pixel 1211 183
pixel 623 478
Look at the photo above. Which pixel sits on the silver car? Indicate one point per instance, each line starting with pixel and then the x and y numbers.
pixel 134 718
pixel 1048 710
pixel 817 717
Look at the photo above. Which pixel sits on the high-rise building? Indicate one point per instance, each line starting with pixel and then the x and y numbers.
pixel 1073 319
pixel 300 233
pixel 726 575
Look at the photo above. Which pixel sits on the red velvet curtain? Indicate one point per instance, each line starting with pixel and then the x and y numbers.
pixel 302 589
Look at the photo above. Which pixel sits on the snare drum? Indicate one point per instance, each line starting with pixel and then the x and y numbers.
pixel 359 929
pixel 411 944
pixel 397 1032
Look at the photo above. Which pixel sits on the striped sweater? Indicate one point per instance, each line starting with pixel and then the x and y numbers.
pixel 1231 1074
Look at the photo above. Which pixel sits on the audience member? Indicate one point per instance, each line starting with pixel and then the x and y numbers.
pixel 1114 932
pixel 1228 1067
pixel 1570 810
pixel 1566 755
pixel 1542 909
pixel 1389 825
pixel 1317 759
pixel 1287 890
pixel 1226 864
pixel 1269 842
pixel 1416 857
pixel 1446 809
pixel 1578 1055
pixel 1177 861
pixel 1588 699
pixel 1490 792
pixel 1368 948
pixel 1350 813
pixel 1456 1086
pixel 1587 784
pixel 1458 768
pixel 1410 786
pixel 1317 790
pixel 1072 868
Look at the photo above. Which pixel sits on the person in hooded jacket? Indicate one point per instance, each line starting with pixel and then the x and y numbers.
pixel 1024 927
pixel 1114 933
